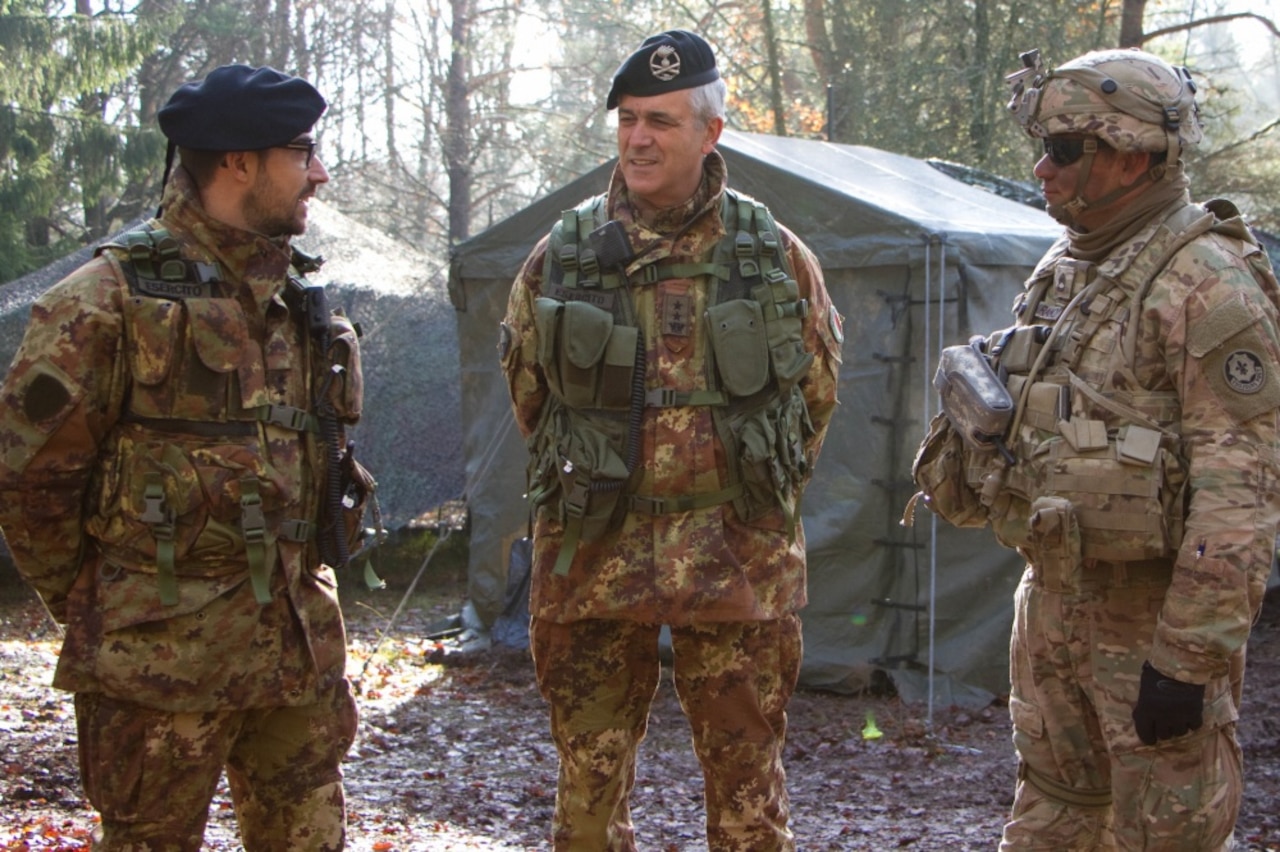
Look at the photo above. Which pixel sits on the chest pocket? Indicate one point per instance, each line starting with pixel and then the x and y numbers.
pixel 182 355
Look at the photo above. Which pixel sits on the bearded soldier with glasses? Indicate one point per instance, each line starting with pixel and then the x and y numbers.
pixel 1136 471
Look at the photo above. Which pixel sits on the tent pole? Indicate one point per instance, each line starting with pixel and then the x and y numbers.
pixel 933 519
pixel 928 400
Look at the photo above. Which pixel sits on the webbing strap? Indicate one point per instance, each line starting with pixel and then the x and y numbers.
pixel 1059 792
pixel 668 398
pixel 160 519
pixel 683 502
pixel 569 248
pixel 287 416
pixel 253 524
pixel 575 507
pixel 656 272
pixel 1128 412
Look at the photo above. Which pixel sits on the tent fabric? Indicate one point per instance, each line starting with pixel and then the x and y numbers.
pixel 914 260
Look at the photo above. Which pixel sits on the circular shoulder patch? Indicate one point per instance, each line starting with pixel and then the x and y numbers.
pixel 1244 372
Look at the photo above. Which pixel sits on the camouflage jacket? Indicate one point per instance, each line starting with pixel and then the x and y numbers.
pixel 1156 416
pixel 132 435
pixel 705 564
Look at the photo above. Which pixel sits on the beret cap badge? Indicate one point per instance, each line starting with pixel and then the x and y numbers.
pixel 665 63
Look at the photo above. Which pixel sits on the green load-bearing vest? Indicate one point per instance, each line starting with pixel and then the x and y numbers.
pixel 584 451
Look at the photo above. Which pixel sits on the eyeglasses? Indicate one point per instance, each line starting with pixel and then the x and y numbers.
pixel 1064 150
pixel 309 145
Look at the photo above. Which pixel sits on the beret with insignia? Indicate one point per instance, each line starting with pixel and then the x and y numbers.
pixel 667 62
pixel 240 108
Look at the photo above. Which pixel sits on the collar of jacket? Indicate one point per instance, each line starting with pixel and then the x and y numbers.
pixel 251 264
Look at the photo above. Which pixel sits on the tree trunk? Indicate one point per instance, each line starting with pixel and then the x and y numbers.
pixel 457 107
pixel 1131 15
pixel 775 71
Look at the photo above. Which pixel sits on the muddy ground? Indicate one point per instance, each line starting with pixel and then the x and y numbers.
pixel 453 751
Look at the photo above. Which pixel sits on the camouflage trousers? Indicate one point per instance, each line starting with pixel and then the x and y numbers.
pixel 1085 780
pixel 734 681
pixel 152 774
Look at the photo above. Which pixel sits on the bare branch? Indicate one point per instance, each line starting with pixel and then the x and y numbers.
pixel 1212 19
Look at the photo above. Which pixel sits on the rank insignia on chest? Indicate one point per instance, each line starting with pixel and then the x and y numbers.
pixel 677 310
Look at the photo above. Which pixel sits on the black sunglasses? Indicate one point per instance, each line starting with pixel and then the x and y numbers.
pixel 1063 150
pixel 309 145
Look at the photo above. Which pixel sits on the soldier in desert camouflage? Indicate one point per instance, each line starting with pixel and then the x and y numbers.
pixel 672 359
pixel 162 460
pixel 1138 474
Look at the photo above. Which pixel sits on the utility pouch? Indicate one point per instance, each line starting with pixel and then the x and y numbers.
pixel 358 487
pixel 973 397
pixel 784 313
pixel 741 345
pixel 1055 545
pixel 573 339
pixel 592 477
pixel 939 472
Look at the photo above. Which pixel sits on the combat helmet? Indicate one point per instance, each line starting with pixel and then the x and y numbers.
pixel 1129 99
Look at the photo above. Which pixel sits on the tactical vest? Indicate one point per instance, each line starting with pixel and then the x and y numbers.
pixel 584 451
pixel 191 482
pixel 1101 471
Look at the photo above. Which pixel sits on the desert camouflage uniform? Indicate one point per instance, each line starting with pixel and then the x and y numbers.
pixel 729 589
pixel 1198 357
pixel 111 392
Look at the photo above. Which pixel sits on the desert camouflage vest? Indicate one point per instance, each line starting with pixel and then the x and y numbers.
pixel 585 450
pixel 1100 470
pixel 195 487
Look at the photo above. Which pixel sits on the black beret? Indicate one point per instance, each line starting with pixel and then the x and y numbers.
pixel 239 108
pixel 667 62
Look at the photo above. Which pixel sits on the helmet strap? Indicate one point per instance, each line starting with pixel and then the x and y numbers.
pixel 1077 205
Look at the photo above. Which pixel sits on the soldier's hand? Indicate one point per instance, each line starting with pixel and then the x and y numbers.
pixel 1166 707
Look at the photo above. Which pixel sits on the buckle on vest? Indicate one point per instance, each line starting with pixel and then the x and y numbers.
pixel 744 247
pixel 296 529
pixel 768 243
pixel 660 398
pixel 287 417
pixel 569 257
pixel 253 522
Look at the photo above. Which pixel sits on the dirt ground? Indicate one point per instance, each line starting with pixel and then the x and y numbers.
pixel 453 751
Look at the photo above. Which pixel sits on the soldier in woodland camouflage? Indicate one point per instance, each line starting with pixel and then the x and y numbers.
pixel 161 472
pixel 1139 478
pixel 672 359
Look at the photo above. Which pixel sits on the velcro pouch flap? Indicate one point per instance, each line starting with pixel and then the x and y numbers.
pixel 586 333
pixel 1139 445
pixel 1083 434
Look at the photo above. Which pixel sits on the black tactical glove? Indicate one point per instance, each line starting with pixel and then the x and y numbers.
pixel 1166 707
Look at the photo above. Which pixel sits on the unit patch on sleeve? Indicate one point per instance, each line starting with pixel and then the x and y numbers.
pixel 1231 346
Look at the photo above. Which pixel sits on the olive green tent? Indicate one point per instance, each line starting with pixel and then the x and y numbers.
pixel 914 260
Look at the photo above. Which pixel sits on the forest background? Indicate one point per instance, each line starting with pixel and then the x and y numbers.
pixel 448 115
